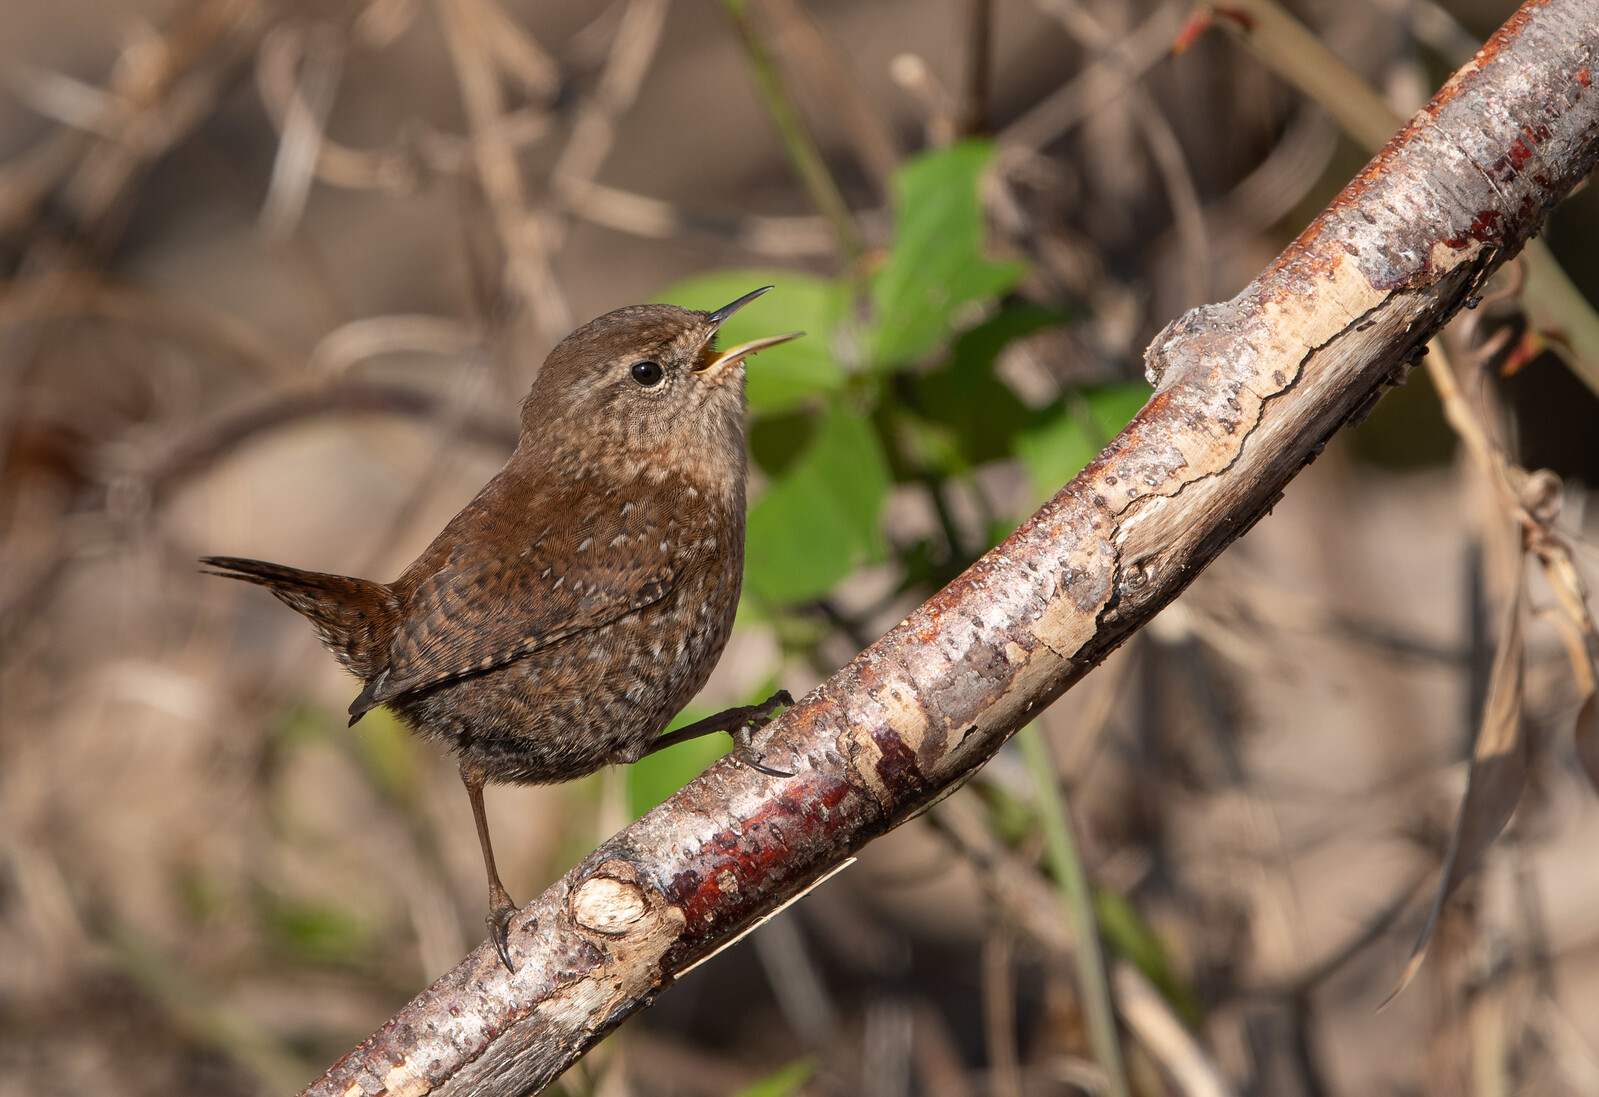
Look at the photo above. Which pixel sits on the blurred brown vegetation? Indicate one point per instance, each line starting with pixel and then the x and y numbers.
pixel 220 334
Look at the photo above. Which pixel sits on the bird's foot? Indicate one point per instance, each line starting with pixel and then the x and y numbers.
pixel 501 908
pixel 740 723
pixel 754 719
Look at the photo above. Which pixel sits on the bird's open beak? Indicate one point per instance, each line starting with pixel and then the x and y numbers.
pixel 727 357
pixel 719 317
pixel 715 364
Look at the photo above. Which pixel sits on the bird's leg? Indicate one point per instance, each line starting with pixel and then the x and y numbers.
pixel 501 906
pixel 741 723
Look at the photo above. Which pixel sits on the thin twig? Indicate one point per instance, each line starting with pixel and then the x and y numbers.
pixel 979 67
pixel 999 1010
pixel 1279 182
pixel 214 440
pixel 371 336
pixel 527 255
pixel 775 237
pixel 939 124
pixel 1063 109
pixel 77 295
pixel 516 52
pixel 797 142
pixel 827 75
pixel 1159 1030
pixel 322 50
pixel 594 133
pixel 1164 148
pixel 164 87
pixel 1039 911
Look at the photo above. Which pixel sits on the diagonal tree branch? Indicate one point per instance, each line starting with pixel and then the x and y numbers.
pixel 1248 392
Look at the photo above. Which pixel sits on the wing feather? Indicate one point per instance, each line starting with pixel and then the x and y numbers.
pixel 596 562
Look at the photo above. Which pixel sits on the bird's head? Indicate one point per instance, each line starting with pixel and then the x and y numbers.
pixel 644 383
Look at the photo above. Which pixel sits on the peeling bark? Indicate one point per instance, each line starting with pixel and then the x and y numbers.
pixel 1248 392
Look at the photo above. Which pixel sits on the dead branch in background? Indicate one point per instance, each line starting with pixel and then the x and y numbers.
pixel 1524 502
pixel 1552 302
pixel 1248 393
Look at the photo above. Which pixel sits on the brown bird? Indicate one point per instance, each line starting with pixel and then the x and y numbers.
pixel 562 619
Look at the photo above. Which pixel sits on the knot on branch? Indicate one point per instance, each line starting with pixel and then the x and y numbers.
pixel 631 925
pixel 1183 345
pixel 608 905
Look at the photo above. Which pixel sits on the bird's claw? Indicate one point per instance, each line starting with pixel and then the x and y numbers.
pixel 744 735
pixel 499 923
pixel 747 756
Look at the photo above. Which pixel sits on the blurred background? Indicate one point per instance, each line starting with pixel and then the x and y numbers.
pixel 275 276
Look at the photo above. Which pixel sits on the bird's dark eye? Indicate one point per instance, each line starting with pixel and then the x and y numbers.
pixel 647 373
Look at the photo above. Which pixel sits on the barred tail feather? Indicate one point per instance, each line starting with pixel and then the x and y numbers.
pixel 355 618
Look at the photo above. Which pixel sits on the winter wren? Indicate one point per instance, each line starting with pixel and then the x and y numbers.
pixel 562 619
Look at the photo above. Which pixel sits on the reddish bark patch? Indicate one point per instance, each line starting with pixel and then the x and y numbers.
pixel 897 767
pixel 732 871
pixel 1481 230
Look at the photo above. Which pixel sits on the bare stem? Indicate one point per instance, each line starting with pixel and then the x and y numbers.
pixel 797 141
pixel 1067 867
pixel 979 66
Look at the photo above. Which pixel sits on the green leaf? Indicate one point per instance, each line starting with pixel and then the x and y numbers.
pixel 1131 937
pixel 783 1082
pixel 966 395
pixel 776 441
pixel 655 777
pixel 1071 432
pixel 789 374
pixel 818 521
pixel 1009 816
pixel 1054 450
pixel 1111 408
pixel 937 267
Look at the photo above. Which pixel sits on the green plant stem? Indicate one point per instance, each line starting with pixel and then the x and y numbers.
pixel 1289 49
pixel 1067 867
pixel 960 560
pixel 801 149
